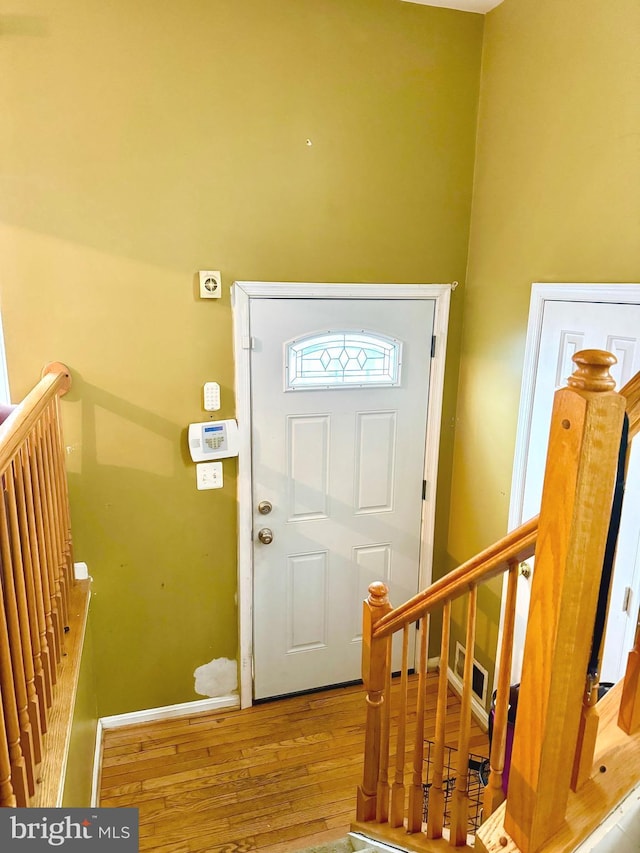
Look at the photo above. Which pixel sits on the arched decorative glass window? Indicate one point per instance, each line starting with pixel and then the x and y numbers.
pixel 342 360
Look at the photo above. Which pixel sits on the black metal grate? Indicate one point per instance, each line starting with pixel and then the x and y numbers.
pixel 477 777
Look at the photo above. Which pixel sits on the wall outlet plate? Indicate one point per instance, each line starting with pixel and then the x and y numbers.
pixel 210 284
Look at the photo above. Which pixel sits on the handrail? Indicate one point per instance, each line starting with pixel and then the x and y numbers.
pixel 516 546
pixel 55 381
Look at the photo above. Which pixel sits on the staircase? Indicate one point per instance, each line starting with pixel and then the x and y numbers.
pixel 574 758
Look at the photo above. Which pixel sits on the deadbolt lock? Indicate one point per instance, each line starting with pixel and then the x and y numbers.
pixel 264 507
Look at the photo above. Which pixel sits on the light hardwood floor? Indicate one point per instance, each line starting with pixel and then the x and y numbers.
pixel 276 777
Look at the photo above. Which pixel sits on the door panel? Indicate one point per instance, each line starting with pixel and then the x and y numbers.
pixel 375 461
pixel 308 467
pixel 567 328
pixel 342 468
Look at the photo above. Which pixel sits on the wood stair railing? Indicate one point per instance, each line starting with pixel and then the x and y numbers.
pixel 37 607
pixel 568 539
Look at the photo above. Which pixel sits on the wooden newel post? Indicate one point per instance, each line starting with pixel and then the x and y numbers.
pixel 584 442
pixel 374 676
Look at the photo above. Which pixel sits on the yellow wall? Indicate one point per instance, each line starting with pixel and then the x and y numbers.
pixel 556 198
pixel 145 140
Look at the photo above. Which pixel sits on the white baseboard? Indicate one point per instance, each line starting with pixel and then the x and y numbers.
pixel 97 767
pixel 360 841
pixel 168 712
pixel 478 710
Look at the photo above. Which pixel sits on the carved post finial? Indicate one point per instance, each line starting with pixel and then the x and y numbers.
pixel 592 370
pixel 378 594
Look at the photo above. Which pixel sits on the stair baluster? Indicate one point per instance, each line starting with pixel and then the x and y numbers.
pixel 10 708
pixel 20 610
pixel 416 791
pixel 494 793
pixel 57 609
pixel 7 796
pixel 460 798
pixel 382 795
pixel 34 606
pixel 56 522
pixel 398 788
pixel 435 814
pixel 44 550
pixel 15 642
pixel 40 580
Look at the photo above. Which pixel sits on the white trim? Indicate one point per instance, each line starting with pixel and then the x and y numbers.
pixel 477 708
pixel 460 651
pixel 168 712
pixel 242 293
pixel 540 294
pixel 360 841
pixel 315 290
pixel 97 767
pixel 434 429
pixel 241 329
pixel 5 392
pixel 479 6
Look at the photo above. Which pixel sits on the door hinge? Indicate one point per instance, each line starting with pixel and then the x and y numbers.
pixel 626 601
pixel 433 346
pixel 248 342
pixel 424 490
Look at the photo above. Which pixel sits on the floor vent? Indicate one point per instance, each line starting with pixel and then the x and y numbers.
pixel 480 675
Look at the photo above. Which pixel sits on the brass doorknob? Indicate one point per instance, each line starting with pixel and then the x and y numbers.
pixel 265 536
pixel 525 570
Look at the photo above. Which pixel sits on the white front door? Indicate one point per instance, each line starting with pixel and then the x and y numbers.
pixel 339 399
pixel 566 328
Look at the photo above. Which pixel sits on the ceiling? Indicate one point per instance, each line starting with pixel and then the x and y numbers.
pixel 464 5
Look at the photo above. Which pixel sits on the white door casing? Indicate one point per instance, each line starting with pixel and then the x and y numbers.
pixel 564 319
pixel 251 300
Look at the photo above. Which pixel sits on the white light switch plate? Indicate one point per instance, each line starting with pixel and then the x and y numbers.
pixel 209 475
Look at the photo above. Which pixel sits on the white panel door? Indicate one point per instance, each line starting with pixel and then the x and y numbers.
pixel 338 443
pixel 567 328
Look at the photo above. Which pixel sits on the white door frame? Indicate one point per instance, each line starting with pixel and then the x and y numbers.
pixel 541 293
pixel 242 293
